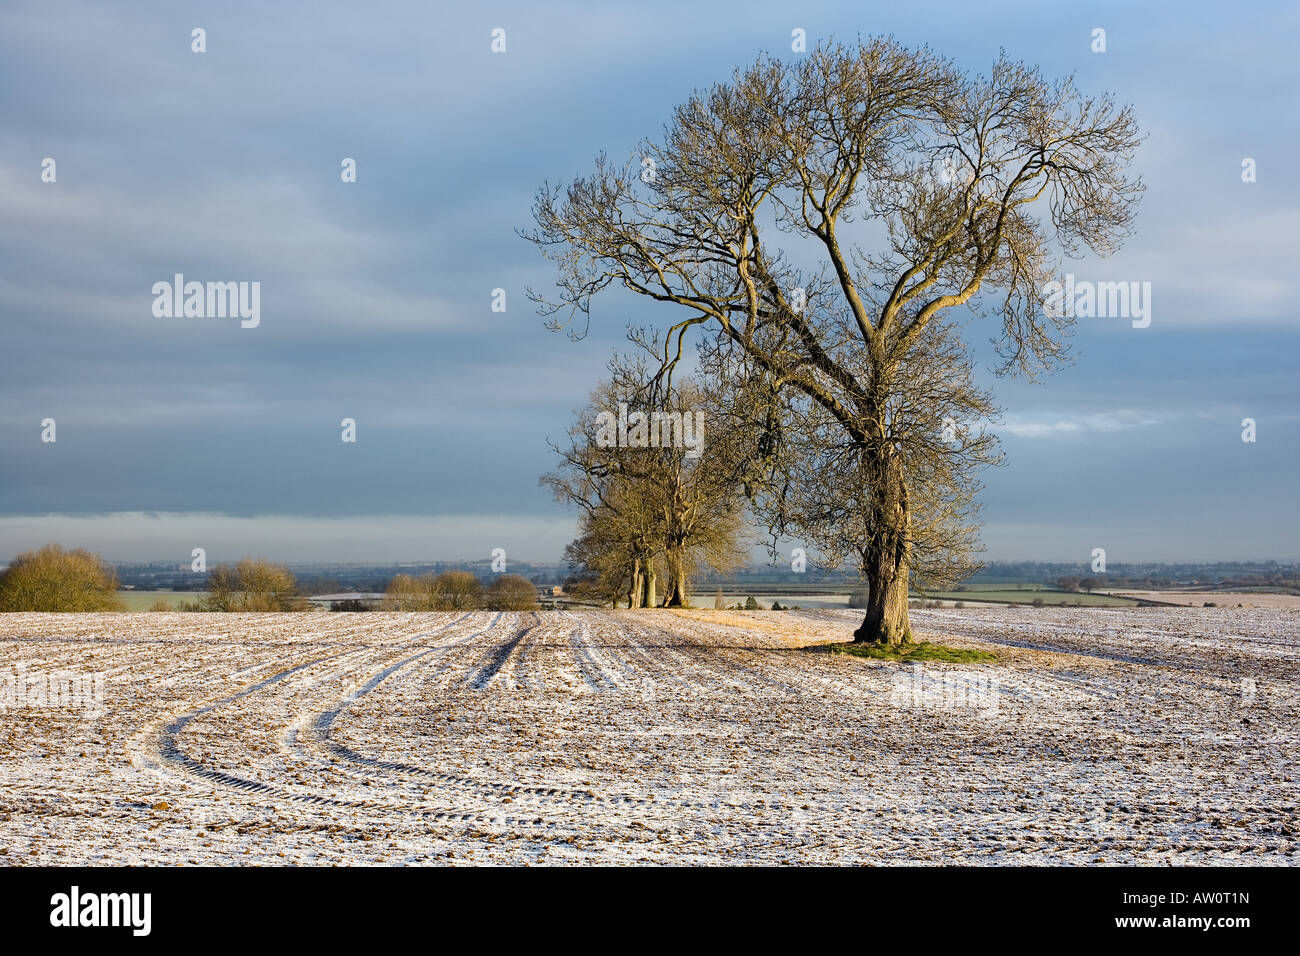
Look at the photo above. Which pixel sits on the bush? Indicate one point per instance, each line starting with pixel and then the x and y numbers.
pixel 1037 602
pixel 348 604
pixel 960 604
pixel 460 591
pixel 776 605
pixel 449 591
pixel 253 585
pixel 160 605
pixel 511 592
pixel 751 604
pixel 51 579
pixel 406 593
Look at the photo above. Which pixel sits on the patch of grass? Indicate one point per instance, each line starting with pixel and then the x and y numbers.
pixel 145 600
pixel 925 651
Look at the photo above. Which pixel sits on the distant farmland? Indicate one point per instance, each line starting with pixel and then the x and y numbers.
pixel 821 594
pixel 144 600
pixel 1027 594
pixel 817 596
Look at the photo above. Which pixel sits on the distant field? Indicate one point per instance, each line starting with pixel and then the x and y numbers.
pixel 1251 598
pixel 975 594
pixel 1026 595
pixel 143 600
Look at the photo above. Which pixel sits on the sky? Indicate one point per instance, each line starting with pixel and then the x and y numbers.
pixel 376 295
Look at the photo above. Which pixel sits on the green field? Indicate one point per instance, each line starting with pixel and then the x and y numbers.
pixel 143 600
pixel 1025 594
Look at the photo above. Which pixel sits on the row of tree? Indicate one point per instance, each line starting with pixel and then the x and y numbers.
pixel 52 579
pixel 461 591
pixel 654 509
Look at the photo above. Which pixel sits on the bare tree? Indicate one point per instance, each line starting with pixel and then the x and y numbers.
pixel 252 584
pixel 670 506
pixel 976 184
pixel 808 481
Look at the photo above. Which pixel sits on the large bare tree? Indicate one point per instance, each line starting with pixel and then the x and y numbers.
pixel 811 483
pixel 971 187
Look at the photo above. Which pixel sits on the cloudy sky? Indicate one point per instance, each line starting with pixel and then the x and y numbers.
pixel 174 433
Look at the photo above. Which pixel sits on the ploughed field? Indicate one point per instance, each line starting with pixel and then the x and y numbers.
pixel 1098 735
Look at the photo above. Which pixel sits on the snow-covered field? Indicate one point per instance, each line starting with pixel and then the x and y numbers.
pixel 1115 735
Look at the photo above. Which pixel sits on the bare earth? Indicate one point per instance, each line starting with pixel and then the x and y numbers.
pixel 1115 735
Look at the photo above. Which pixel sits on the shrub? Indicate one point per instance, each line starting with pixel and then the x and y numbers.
pixel 160 605
pixel 511 592
pixel 253 585
pixel 449 591
pixel 751 604
pixel 348 604
pixel 460 591
pixel 1038 602
pixel 405 593
pixel 51 579
pixel 960 604
pixel 776 605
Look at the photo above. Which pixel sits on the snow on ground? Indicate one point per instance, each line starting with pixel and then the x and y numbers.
pixel 1099 735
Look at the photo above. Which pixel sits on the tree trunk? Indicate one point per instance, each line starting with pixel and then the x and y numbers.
pixel 886 565
pixel 676 595
pixel 636 592
pixel 649 599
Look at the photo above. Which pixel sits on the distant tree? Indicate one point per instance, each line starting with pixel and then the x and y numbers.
pixel 776 606
pixel 160 605
pixel 1089 585
pixel 511 592
pixel 348 604
pixel 751 604
pixel 718 602
pixel 458 591
pixel 51 579
pixel 1067 584
pixel 253 585
pixel 648 515
pixel 449 591
pixel 405 593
